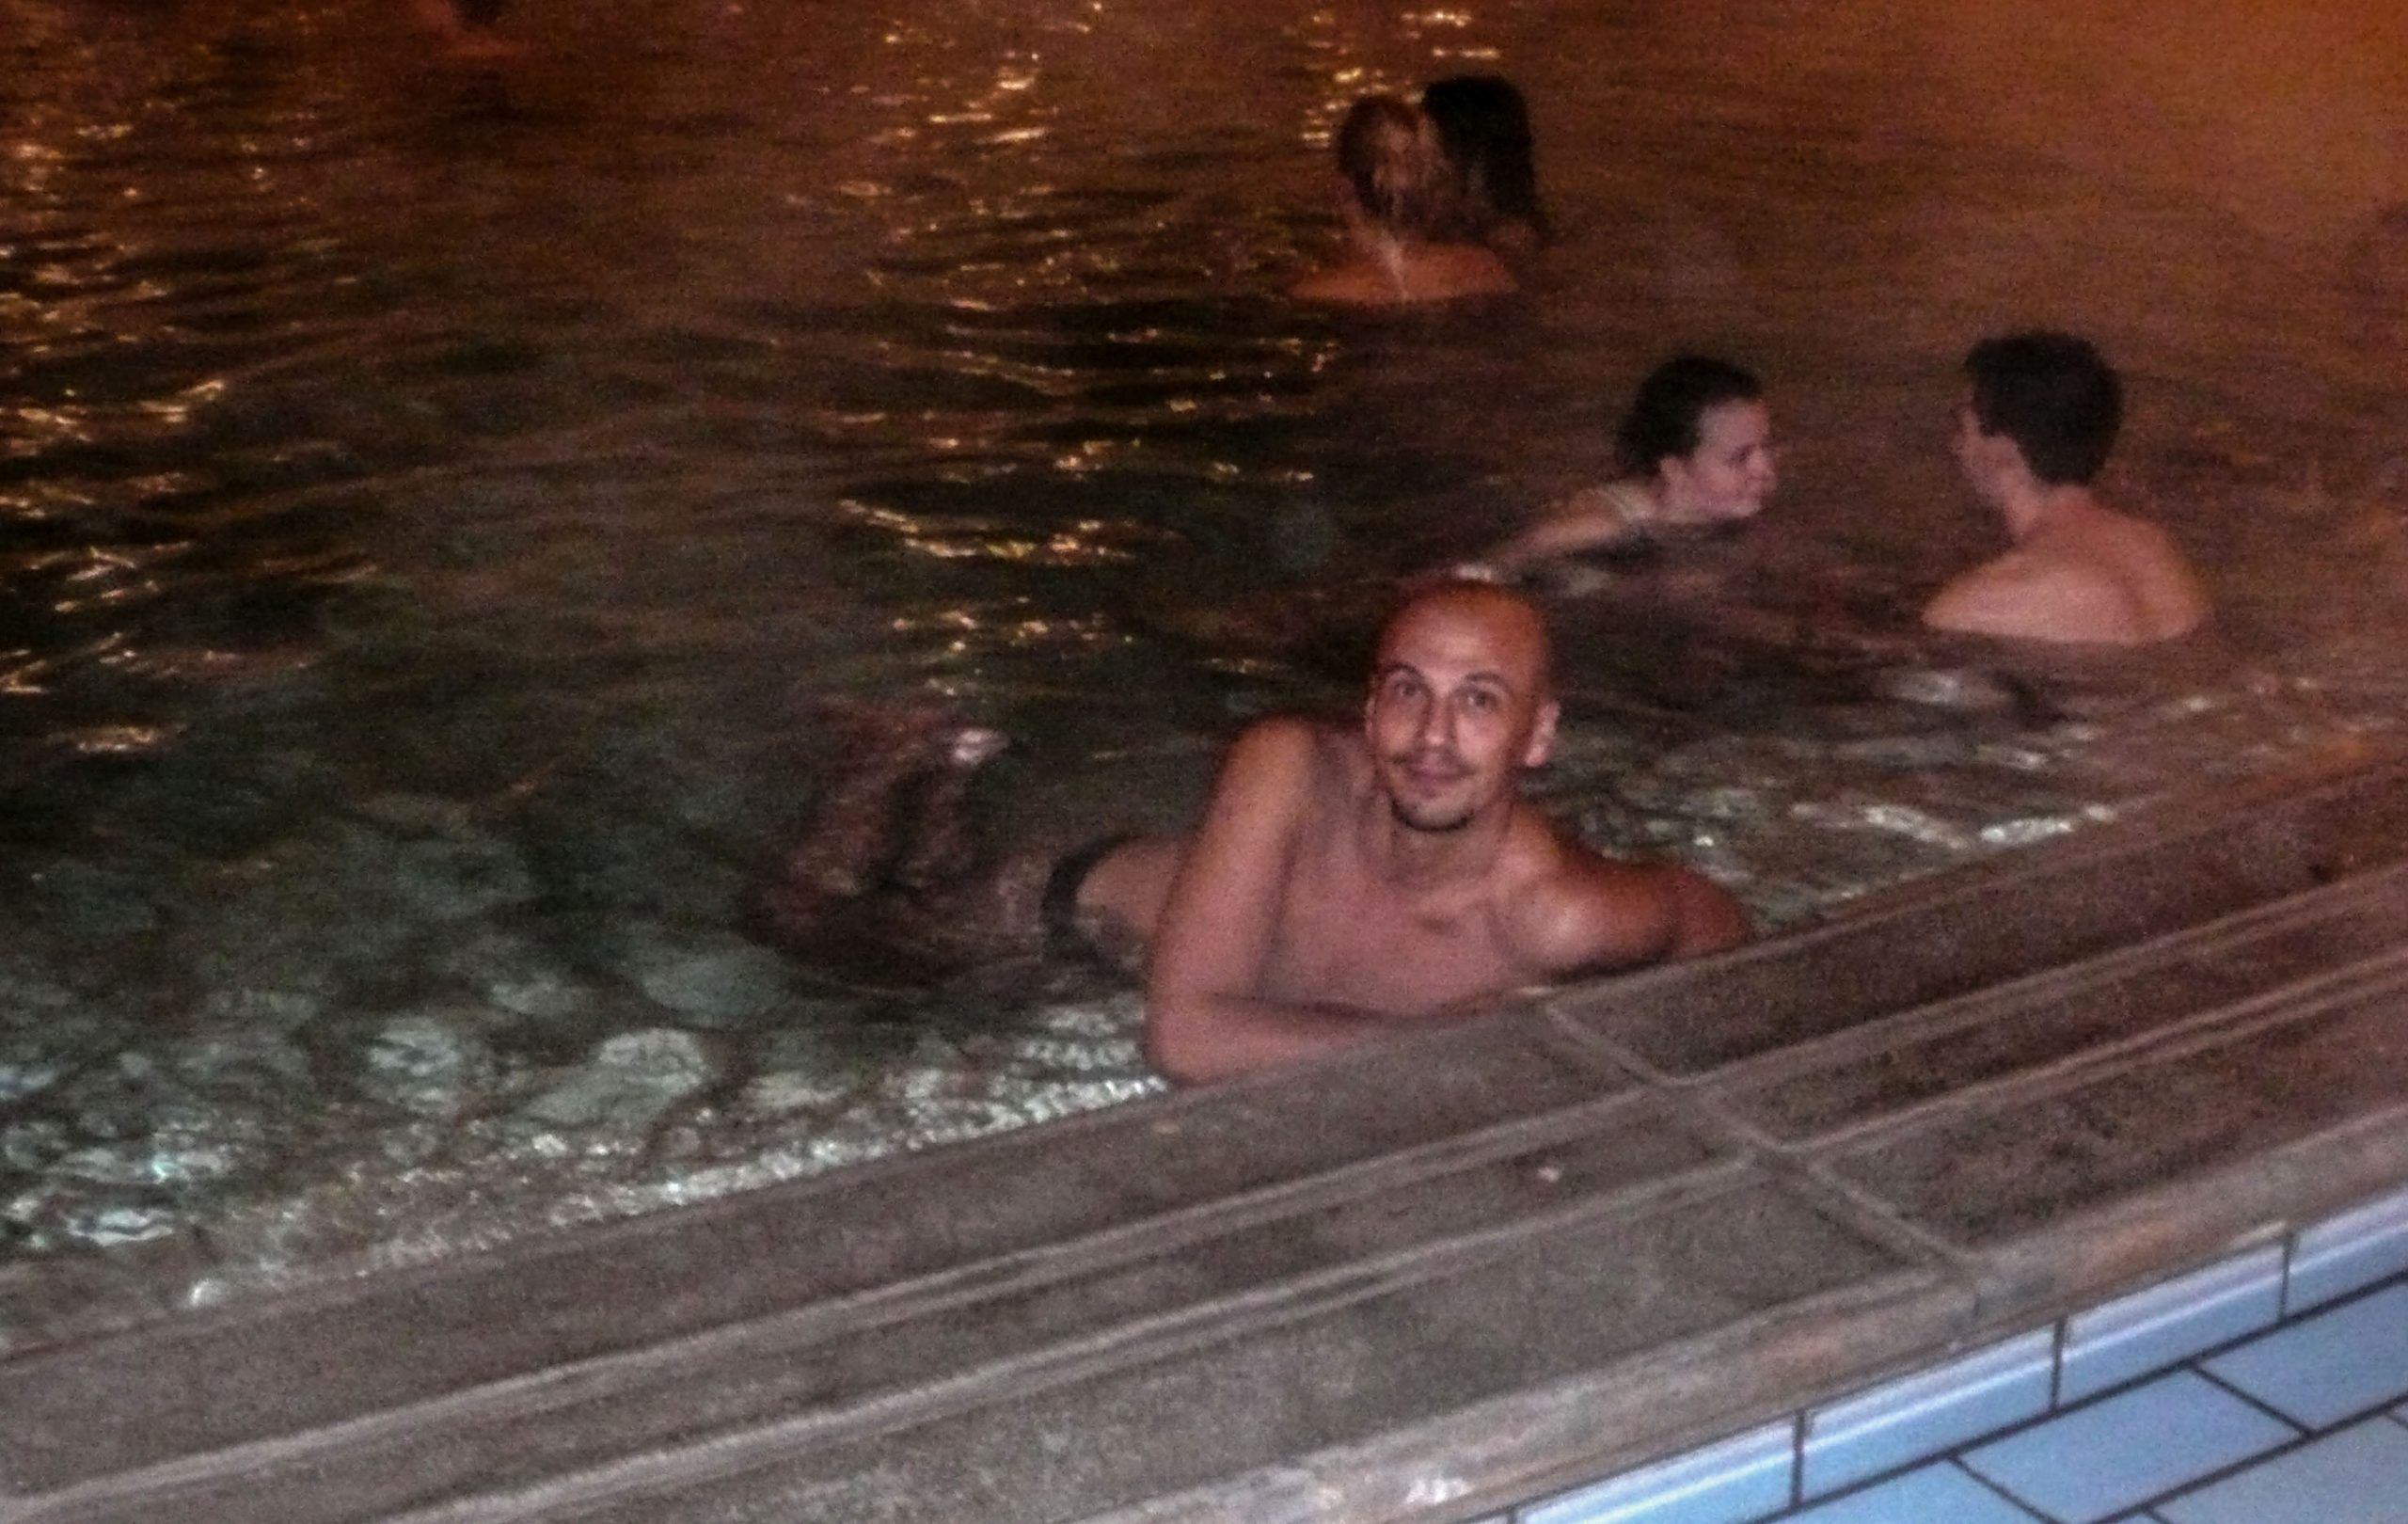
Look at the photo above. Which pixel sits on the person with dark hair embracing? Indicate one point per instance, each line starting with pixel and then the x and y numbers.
pixel 1408 238
pixel 1694 451
pixel 2039 417
pixel 1345 880
pixel 1484 129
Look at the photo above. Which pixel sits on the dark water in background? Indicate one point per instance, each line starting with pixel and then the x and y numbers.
pixel 428 502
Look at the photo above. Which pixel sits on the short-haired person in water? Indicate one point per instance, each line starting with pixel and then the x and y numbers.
pixel 1346 880
pixel 1405 226
pixel 1484 128
pixel 2041 413
pixel 1695 452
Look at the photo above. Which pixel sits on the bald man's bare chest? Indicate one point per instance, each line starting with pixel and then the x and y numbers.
pixel 1344 938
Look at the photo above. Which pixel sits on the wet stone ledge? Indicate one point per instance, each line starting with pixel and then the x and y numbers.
pixel 1416 1283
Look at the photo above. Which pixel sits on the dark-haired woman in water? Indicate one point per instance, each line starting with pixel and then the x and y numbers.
pixel 1406 223
pixel 1484 129
pixel 1695 452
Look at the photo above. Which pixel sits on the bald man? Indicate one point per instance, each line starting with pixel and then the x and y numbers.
pixel 1345 880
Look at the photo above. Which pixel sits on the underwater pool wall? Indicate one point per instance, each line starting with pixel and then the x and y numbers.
pixel 1445 1277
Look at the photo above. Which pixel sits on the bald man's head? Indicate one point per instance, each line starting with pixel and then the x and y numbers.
pixel 1462 699
pixel 1503 618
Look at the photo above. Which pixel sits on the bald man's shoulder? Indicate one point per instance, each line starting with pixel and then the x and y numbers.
pixel 1571 909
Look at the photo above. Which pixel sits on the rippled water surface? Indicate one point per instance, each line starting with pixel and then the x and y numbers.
pixel 432 504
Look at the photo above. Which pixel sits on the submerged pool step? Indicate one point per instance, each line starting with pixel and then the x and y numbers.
pixel 2074 900
pixel 1464 1266
pixel 2318 1083
pixel 1030 1205
pixel 835 1375
pixel 2087 1013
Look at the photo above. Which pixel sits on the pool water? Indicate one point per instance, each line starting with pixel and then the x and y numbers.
pixel 435 502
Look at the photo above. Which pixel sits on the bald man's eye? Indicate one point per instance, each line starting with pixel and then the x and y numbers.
pixel 1483 701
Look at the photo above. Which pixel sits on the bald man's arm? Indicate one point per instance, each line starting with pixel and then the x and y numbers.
pixel 1205 1019
pixel 1597 916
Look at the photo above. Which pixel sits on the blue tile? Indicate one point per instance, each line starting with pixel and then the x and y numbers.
pixel 1933 1493
pixel 2324 1368
pixel 2345 1253
pixel 2166 1323
pixel 1738 1479
pixel 2357 1476
pixel 2121 1451
pixel 1921 1415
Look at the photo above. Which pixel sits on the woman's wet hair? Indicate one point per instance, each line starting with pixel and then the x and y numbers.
pixel 2052 394
pixel 1665 415
pixel 1484 127
pixel 1389 156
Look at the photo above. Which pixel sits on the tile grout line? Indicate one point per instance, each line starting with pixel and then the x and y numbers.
pixel 2307 1437
pixel 2239 1467
pixel 2290 1257
pixel 1957 1460
pixel 2303 1436
pixel 2064 1327
pixel 2251 1398
pixel 1798 1461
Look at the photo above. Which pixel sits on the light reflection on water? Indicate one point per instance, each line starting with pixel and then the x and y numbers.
pixel 431 503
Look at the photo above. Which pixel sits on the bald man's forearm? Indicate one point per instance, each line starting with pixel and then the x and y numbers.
pixel 1196 1039
pixel 1705 918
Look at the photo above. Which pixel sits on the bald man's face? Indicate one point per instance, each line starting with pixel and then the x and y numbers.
pixel 1458 706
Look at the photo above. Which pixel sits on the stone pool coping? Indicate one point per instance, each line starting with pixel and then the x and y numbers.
pixel 1454 1272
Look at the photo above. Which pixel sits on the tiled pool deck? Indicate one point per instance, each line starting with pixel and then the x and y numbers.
pixel 2268 1387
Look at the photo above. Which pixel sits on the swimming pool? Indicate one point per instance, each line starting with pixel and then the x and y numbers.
pixel 432 502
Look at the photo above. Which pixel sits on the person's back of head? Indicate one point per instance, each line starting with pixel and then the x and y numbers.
pixel 1390 158
pixel 2054 395
pixel 1484 127
pixel 1663 419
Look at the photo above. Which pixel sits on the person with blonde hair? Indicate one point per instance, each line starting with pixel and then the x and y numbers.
pixel 1409 237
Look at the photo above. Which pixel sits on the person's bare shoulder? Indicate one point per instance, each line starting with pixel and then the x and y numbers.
pixel 2170 601
pixel 1445 273
pixel 1352 284
pixel 2026 594
pixel 2072 596
pixel 1291 767
pixel 1463 270
pixel 1287 745
pixel 1572 910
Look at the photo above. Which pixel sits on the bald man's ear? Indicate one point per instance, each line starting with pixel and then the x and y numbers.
pixel 1542 744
